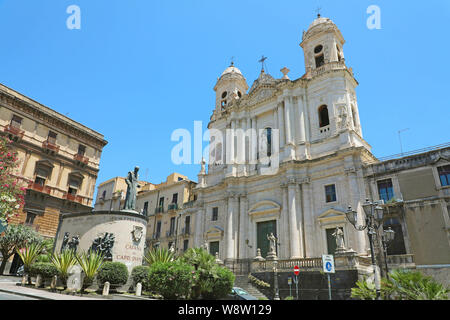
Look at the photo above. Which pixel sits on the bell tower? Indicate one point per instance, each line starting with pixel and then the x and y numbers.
pixel 231 85
pixel 322 43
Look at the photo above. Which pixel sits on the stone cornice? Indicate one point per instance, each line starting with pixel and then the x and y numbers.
pixel 48 117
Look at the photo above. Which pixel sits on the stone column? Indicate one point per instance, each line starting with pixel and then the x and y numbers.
pixel 294 234
pixel 281 124
pixel 285 251
pixel 232 147
pixel 255 140
pixel 289 115
pixel 301 115
pixel 243 227
pixel 198 236
pixel 308 216
pixel 229 232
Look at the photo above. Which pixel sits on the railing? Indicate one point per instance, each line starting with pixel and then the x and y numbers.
pixel 81 158
pixel 189 204
pixel 159 210
pixel 173 206
pixel 401 260
pixel 186 231
pixel 75 198
pixel 14 131
pixel 31 226
pixel 411 153
pixel 288 265
pixel 50 146
pixel 156 235
pixel 170 233
pixel 334 65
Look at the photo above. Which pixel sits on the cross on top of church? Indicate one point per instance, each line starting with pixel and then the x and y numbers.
pixel 318 11
pixel 232 61
pixel 262 61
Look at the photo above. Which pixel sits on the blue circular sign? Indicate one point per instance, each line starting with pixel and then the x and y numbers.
pixel 328 266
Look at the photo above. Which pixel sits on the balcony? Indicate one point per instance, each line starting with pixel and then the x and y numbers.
pixel 156 236
pixel 75 198
pixel 401 261
pixel 50 146
pixel 81 158
pixel 186 231
pixel 170 234
pixel 15 131
pixel 31 226
pixel 159 210
pixel 173 206
pixel 39 187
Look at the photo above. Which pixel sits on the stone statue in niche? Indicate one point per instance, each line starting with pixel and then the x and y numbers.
pixel 132 186
pixel 343 118
pixel 103 245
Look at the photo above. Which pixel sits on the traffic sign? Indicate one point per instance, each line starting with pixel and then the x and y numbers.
pixel 296 270
pixel 328 264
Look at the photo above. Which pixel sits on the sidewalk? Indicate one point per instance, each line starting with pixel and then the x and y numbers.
pixel 8 285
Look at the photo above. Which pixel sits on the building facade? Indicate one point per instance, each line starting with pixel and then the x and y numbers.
pixel 58 160
pixel 286 158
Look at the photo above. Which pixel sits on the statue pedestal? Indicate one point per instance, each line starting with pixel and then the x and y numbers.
pixel 126 228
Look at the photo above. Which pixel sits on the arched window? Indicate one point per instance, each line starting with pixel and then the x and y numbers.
pixel 319 57
pixel 219 152
pixel 324 119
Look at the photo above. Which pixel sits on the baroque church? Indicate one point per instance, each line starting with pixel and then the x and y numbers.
pixel 286 158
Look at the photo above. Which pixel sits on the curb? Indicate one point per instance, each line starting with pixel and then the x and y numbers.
pixel 24 294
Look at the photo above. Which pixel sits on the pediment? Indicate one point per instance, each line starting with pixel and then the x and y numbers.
pixel 214 232
pixel 441 160
pixel 264 207
pixel 332 215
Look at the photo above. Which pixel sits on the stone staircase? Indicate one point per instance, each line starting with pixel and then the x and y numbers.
pixel 242 281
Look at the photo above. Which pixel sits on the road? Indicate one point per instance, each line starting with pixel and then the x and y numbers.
pixel 7 296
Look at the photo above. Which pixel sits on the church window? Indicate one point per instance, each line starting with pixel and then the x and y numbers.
pixel 318 49
pixel 269 141
pixel 224 94
pixel 324 119
pixel 330 193
pixel 219 152
pixel 185 244
pixel 339 54
pixel 320 59
pixel 223 104
pixel 239 94
pixel 444 175
pixel 215 214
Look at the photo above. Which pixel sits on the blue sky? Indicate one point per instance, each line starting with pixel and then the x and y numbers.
pixel 138 69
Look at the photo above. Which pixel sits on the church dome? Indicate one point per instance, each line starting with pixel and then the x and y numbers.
pixel 318 21
pixel 230 70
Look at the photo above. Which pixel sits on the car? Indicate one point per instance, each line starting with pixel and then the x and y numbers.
pixel 20 271
pixel 240 294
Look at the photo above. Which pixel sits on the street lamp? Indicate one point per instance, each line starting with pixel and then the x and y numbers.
pixel 373 219
pixel 387 238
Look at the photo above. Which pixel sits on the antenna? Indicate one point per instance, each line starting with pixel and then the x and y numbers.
pixel 400 138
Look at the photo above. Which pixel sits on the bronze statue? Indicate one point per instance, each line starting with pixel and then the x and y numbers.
pixel 132 186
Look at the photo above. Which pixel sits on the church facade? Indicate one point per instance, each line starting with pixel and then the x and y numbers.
pixel 286 157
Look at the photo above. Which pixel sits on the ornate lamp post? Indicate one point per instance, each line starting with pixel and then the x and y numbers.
pixel 387 238
pixel 373 219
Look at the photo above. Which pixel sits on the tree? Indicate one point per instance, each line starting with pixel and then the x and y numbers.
pixel 16 237
pixel 11 194
pixel 29 254
pixel 63 262
pixel 90 263
pixel 158 255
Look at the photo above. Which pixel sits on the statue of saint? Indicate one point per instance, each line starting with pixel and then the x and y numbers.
pixel 273 242
pixel 132 186
pixel 339 234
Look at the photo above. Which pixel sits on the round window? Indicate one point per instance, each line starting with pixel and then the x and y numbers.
pixel 318 49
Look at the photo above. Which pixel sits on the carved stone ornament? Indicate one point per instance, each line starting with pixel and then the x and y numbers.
pixel 137 233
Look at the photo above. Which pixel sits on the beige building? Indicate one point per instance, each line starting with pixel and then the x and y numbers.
pixel 59 160
pixel 416 190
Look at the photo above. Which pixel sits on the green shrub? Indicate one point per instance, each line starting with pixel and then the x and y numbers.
pixel 116 273
pixel 221 282
pixel 46 269
pixel 140 274
pixel 172 280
